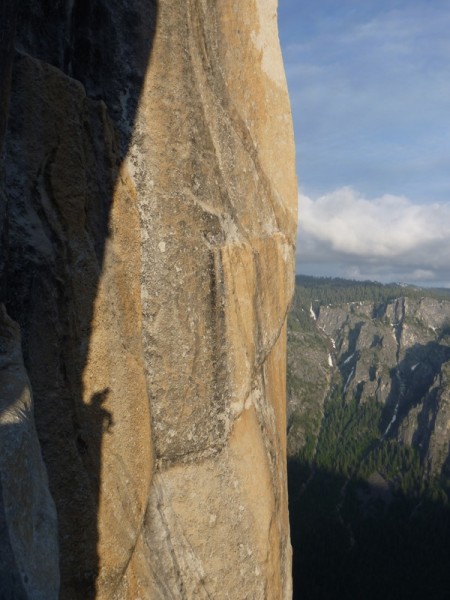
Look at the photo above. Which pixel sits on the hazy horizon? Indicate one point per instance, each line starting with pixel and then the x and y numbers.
pixel 351 279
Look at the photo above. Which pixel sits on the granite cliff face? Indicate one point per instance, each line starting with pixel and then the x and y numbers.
pixel 147 226
pixel 398 353
pixel 369 439
pixel 395 353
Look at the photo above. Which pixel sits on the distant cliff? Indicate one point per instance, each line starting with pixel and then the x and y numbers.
pixel 147 226
pixel 369 426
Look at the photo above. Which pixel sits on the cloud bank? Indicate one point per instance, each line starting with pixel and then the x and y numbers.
pixel 389 238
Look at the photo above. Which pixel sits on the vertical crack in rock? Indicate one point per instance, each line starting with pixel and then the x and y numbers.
pixel 71 278
pixel 147 228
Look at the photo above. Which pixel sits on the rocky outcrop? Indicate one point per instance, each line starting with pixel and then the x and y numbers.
pixel 396 353
pixel 368 438
pixel 148 225
pixel 28 548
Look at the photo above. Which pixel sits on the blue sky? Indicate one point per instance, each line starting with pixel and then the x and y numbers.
pixel 369 83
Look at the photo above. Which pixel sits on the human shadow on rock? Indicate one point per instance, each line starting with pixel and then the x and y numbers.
pixel 77 79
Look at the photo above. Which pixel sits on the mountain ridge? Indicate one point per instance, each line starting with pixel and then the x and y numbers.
pixel 368 428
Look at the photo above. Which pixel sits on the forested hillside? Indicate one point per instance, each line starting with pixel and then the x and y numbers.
pixel 368 440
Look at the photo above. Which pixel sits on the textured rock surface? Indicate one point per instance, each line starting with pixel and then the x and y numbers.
pixel 219 222
pixel 399 354
pixel 148 225
pixel 28 547
pixel 368 445
pixel 396 353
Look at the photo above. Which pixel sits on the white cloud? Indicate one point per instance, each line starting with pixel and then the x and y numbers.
pixel 387 238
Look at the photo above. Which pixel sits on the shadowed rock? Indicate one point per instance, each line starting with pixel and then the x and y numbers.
pixel 149 232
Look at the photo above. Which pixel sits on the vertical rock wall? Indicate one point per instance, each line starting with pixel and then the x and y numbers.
pixel 150 208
